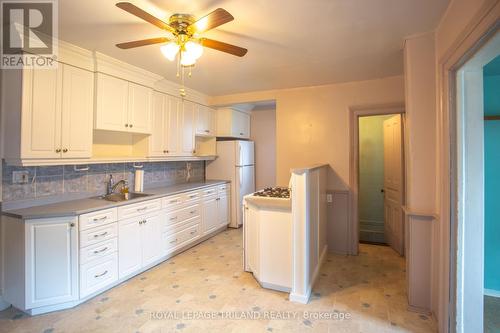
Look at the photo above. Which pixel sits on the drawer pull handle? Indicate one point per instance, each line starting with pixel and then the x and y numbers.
pixel 173 201
pixel 173 218
pixel 101 250
pixel 193 196
pixel 142 209
pixel 217 199
pixel 101 235
pixel 100 219
pixel 174 241
pixel 102 274
pixel 192 212
pixel 193 232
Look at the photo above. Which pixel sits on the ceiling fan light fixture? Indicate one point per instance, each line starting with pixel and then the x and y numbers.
pixel 193 49
pixel 170 50
pixel 187 59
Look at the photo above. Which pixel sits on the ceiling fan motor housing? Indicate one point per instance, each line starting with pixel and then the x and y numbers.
pixel 181 22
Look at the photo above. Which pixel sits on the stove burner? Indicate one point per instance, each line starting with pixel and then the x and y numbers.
pixel 274 192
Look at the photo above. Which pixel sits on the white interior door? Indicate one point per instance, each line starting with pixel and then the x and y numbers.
pixel 393 183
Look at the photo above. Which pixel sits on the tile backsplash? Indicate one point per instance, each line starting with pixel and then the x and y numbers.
pixel 52 181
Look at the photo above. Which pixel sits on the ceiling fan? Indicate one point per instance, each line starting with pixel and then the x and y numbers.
pixel 187 43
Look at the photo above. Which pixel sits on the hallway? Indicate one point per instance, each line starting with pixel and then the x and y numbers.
pixel 208 278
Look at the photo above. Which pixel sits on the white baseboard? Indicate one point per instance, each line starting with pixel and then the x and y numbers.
pixel 304 299
pixel 492 292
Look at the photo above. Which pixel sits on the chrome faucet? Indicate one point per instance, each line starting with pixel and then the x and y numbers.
pixel 111 185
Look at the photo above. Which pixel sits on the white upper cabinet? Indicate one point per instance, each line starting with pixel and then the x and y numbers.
pixel 205 121
pixel 122 105
pixel 158 126
pixel 233 123
pixel 49 113
pixel 77 112
pixel 186 128
pixel 112 103
pixel 139 108
pixel 164 140
pixel 172 136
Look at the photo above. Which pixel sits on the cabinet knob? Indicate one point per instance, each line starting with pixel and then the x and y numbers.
pixel 241 133
pixel 130 125
pixel 165 152
pixel 207 131
pixel 72 225
pixel 65 150
pixel 126 125
pixel 58 150
pixel 194 151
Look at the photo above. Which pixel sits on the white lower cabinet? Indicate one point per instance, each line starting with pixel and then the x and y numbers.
pixel 98 274
pixel 210 220
pixel 66 260
pixel 139 242
pixel 51 261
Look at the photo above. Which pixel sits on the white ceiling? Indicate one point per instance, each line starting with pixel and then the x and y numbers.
pixel 291 43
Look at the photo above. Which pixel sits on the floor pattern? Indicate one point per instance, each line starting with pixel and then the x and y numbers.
pixel 491 314
pixel 205 290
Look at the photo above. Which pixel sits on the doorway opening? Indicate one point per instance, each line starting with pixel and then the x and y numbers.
pixel 381 179
pixel 475 194
pixel 377 176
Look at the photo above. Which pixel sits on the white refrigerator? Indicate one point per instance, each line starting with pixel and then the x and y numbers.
pixel 234 162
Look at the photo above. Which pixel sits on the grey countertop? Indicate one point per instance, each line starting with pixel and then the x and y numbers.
pixel 82 206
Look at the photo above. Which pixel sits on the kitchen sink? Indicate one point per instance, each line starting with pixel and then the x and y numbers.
pixel 117 197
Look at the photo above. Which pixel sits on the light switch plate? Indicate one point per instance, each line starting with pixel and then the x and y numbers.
pixel 20 177
pixel 329 198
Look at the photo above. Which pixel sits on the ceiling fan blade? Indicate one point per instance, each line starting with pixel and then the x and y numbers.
pixel 142 42
pixel 224 47
pixel 134 10
pixel 212 20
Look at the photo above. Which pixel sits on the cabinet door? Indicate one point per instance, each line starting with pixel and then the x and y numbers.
pixel 152 238
pixel 129 247
pixel 157 141
pixel 139 108
pixel 212 117
pixel 41 114
pixel 51 261
pixel 202 120
pixel 112 103
pixel 77 112
pixel 172 134
pixel 187 129
pixel 241 125
pixel 210 215
pixel 223 210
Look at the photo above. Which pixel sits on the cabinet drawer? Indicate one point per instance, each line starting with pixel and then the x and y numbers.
pixel 181 215
pixel 181 225
pixel 190 233
pixel 172 201
pixel 96 235
pixel 210 191
pixel 98 250
pixel 142 208
pixel 98 218
pixel 192 196
pixel 223 189
pixel 98 274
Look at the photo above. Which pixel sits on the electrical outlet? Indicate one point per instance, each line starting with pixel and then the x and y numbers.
pixel 20 177
pixel 329 198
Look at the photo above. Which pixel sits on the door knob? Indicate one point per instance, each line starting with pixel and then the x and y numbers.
pixel 58 150
pixel 65 150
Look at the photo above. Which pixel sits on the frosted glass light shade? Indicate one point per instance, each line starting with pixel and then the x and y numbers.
pixel 187 59
pixel 194 50
pixel 170 50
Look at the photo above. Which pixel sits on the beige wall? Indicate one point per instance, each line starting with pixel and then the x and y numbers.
pixel 263 133
pixel 312 123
